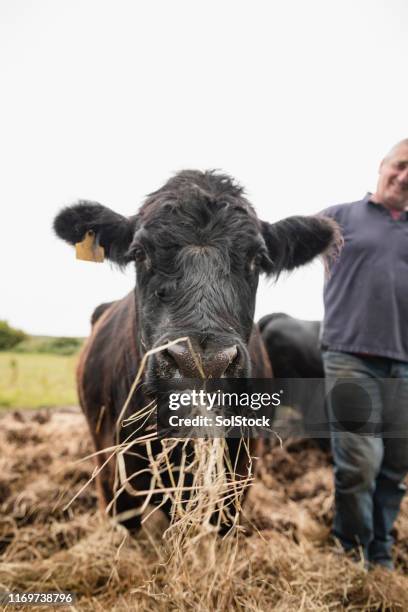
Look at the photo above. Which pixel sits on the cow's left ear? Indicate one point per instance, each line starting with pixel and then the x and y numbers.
pixel 113 231
pixel 295 241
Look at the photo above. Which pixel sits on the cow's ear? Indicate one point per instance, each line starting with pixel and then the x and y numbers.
pixel 113 231
pixel 295 241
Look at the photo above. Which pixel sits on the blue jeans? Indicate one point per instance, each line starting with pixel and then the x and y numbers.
pixel 369 469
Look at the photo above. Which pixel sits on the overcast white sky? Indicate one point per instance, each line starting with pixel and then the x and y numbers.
pixel 104 100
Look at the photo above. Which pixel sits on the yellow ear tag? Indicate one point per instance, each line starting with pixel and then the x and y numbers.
pixel 89 249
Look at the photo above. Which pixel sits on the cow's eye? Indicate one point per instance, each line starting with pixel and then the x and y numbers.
pixel 260 261
pixel 160 293
pixel 257 261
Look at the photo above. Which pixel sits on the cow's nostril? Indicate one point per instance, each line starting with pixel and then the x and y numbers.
pixel 183 360
pixel 237 364
pixel 231 353
pixel 168 357
pixel 217 364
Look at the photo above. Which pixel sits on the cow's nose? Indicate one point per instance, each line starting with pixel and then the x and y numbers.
pixel 212 365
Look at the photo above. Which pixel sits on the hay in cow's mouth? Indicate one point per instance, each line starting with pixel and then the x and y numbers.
pixel 204 495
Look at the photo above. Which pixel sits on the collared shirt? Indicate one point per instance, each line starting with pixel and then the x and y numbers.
pixel 366 291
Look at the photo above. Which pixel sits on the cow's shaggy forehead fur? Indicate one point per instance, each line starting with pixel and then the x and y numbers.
pixel 192 187
pixel 200 210
pixel 209 183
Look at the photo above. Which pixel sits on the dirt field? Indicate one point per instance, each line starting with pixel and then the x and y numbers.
pixel 285 561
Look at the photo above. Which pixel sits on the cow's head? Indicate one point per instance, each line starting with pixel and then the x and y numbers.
pixel 198 248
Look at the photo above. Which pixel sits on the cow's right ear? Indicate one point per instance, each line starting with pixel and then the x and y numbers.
pixel 113 231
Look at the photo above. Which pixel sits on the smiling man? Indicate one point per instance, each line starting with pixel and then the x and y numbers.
pixel 365 336
pixel 392 187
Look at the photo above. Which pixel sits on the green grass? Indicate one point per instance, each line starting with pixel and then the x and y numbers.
pixel 35 380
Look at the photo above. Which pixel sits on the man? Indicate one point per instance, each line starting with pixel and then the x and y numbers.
pixel 365 336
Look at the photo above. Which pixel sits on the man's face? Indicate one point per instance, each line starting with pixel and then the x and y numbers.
pixel 392 186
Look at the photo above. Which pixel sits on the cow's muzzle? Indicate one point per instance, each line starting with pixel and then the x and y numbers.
pixel 185 360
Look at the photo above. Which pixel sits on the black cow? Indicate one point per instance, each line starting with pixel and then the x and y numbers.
pixel 293 347
pixel 198 249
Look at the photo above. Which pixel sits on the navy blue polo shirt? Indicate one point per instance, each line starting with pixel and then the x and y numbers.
pixel 366 291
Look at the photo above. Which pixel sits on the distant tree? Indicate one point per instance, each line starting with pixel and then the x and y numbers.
pixel 9 336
